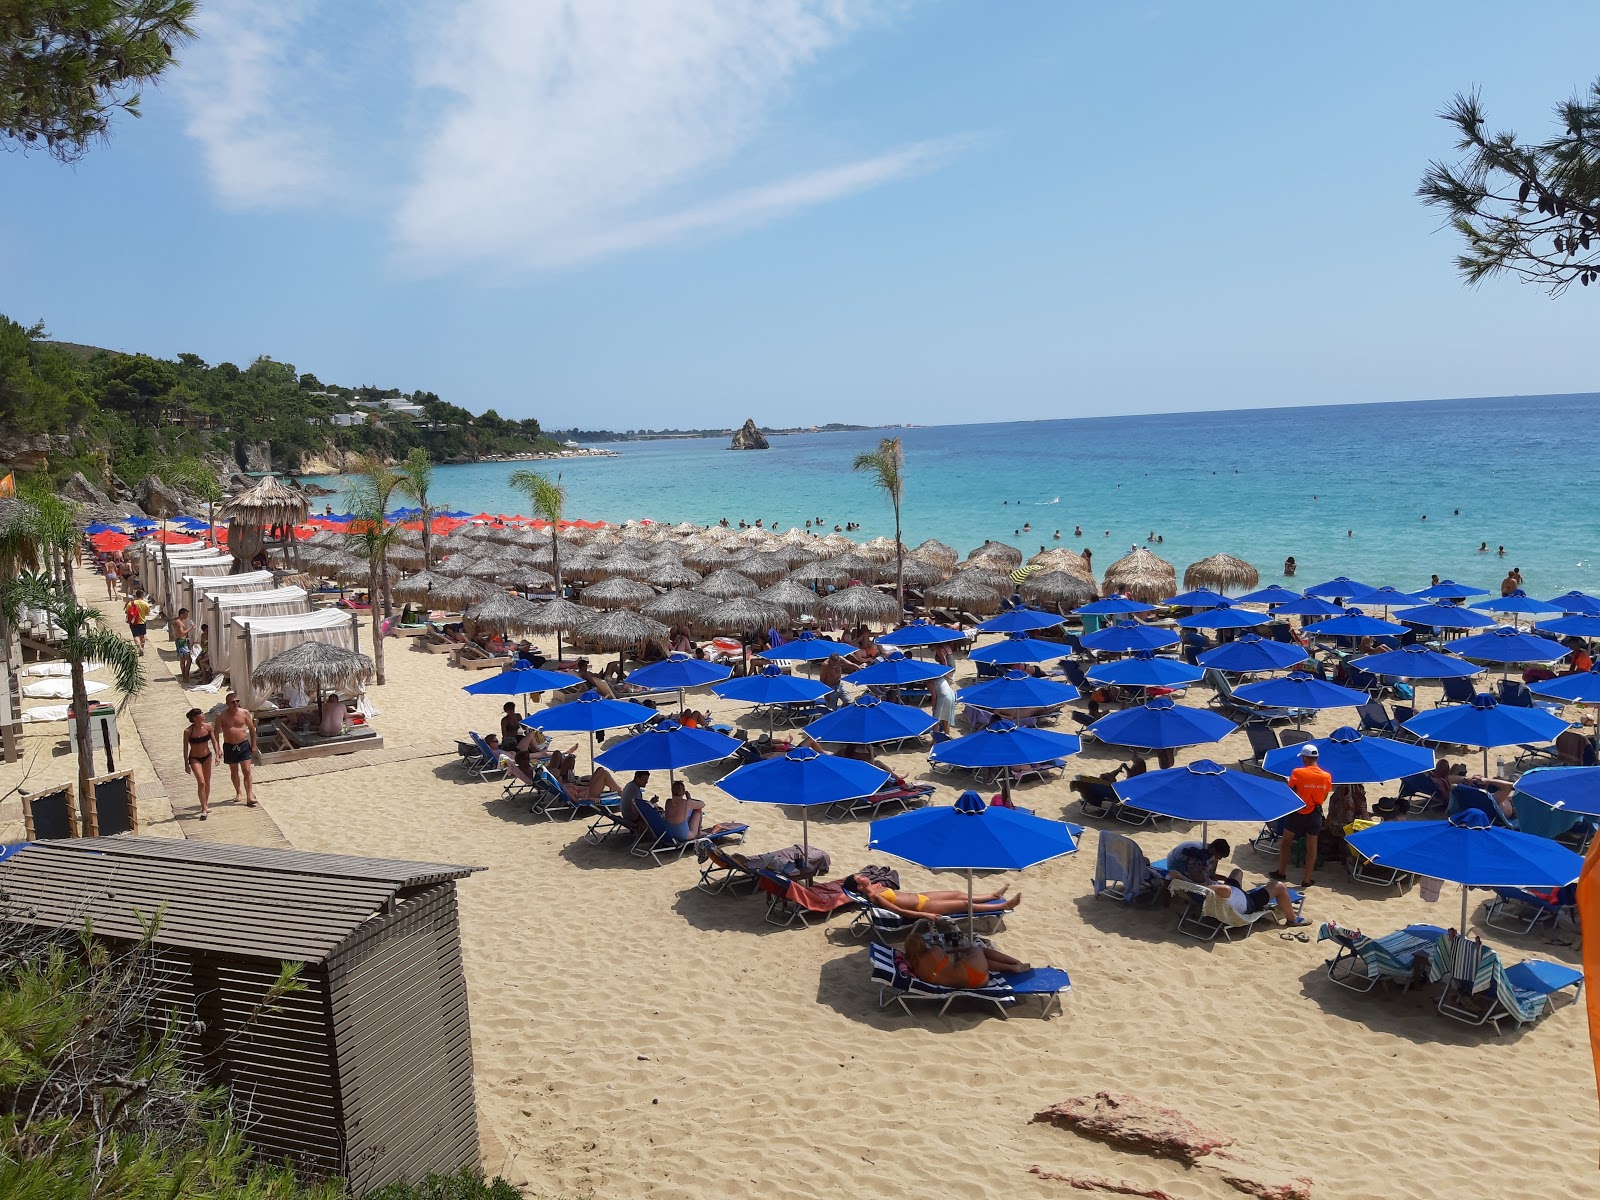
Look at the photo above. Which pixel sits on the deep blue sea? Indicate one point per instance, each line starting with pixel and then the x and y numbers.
pixel 1342 488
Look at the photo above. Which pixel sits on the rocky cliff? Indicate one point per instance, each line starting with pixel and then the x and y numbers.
pixel 749 437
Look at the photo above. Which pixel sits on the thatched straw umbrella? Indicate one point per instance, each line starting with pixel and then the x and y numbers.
pixel 468 564
pixel 525 579
pixel 315 667
pixel 725 585
pixel 622 630
pixel 1142 576
pixel 617 592
pixel 797 555
pixel 408 537
pixel 510 615
pixel 460 593
pixel 679 605
pixel 707 557
pixel 559 616
pixel 879 550
pixel 789 596
pixel 859 606
pixel 986 575
pixel 762 567
pixel 670 573
pixel 404 558
pixel 1009 555
pixel 864 569
pixel 826 571
pixel 937 553
pixel 965 592
pixel 419 588
pixel 685 529
pixel 740 615
pixel 920 573
pixel 623 565
pixel 1223 572
pixel 1060 588
pixel 1063 559
pixel 269 502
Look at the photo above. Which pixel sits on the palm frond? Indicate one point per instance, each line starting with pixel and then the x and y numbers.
pixel 96 643
pixel 547 496
pixel 886 465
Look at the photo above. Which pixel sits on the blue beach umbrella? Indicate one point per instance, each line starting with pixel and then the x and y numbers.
pixel 1577 625
pixel 1449 589
pixel 1018 648
pixel 1006 744
pixel 1354 623
pixel 521 681
pixel 1382 597
pixel 668 746
pixel 807 647
pixel 1521 603
pixel 1336 589
pixel 1021 620
pixel 1578 602
pixel 1114 606
pixel 1439 615
pixel 101 527
pixel 1301 692
pixel 1198 598
pixel 1582 688
pixel 1252 653
pixel 590 713
pixel 1573 789
pixel 1017 690
pixel 772 686
pixel 1145 668
pixel 1468 849
pixel 1350 757
pixel 678 672
pixel 1507 645
pixel 1417 662
pixel 1160 724
pixel 1307 606
pixel 1273 593
pixel 1204 791
pixel 897 670
pixel 922 632
pixel 1223 616
pixel 1483 723
pixel 868 720
pixel 973 836
pixel 805 778
pixel 1129 635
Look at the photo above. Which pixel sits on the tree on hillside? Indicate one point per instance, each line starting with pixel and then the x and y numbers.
pixel 67 67
pixel 887 466
pixel 42 533
pixel 549 501
pixel 372 536
pixel 1528 209
pixel 415 480
pixel 191 474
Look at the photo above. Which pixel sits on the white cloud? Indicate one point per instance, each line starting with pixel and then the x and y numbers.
pixel 238 80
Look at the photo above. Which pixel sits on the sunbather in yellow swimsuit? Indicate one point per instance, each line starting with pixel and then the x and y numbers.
pixel 893 897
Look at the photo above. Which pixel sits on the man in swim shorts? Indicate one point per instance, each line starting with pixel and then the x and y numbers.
pixel 238 729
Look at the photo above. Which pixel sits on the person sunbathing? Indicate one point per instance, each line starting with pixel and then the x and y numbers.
pixel 938 952
pixel 1245 901
pixel 924 904
pixel 685 815
pixel 601 783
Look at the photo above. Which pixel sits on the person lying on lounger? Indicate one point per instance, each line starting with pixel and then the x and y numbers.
pixel 924 904
pixel 601 783
pixel 939 952
pixel 1252 900
pixel 685 815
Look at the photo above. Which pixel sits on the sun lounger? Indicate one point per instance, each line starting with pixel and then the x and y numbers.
pixel 1459 690
pixel 657 841
pixel 1363 870
pixel 517 781
pixel 897 985
pixel 898 797
pixel 1096 797
pixel 1516 910
pixel 488 763
pixel 1204 914
pixel 1480 989
pixel 719 873
pixel 472 657
pixel 791 903
pixel 1404 957
pixel 1231 706
pixel 1121 871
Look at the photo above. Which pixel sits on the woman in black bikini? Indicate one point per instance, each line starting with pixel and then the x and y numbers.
pixel 199 754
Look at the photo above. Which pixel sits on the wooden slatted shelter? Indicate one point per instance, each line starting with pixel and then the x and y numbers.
pixel 367 1072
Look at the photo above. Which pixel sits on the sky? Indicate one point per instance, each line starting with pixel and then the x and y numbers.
pixel 643 213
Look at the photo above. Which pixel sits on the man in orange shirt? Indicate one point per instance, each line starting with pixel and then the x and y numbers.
pixel 1313 785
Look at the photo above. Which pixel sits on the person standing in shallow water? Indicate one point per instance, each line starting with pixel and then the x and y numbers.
pixel 1289 567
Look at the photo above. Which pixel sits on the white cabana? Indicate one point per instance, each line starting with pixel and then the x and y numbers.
pixel 195 589
pixel 254 638
pixel 280 602
pixel 173 593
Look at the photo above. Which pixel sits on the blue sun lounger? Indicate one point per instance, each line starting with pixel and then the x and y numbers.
pixel 897 985
pixel 657 839
pixel 1363 962
pixel 1480 989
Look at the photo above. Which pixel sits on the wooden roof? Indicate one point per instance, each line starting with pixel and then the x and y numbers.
pixel 241 900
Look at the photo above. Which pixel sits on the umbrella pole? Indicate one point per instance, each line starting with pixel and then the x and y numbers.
pixel 805 835
pixel 971 919
pixel 1463 910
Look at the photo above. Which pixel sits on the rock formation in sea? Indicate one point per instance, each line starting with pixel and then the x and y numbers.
pixel 749 437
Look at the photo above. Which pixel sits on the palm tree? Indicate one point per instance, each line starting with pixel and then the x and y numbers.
pixel 370 535
pixel 549 500
pixel 195 477
pixel 415 478
pixel 42 530
pixel 887 465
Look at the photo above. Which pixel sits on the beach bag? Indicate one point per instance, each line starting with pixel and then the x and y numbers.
pixel 132 612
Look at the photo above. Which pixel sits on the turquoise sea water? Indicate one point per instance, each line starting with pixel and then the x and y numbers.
pixel 1259 484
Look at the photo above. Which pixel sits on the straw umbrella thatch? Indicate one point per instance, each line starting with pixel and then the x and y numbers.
pixel 1063 559
pixel 1061 588
pixel 726 584
pixel 404 558
pixel 920 573
pixel 707 557
pixel 762 567
pixel 680 604
pixel 797 555
pixel 617 592
pixel 460 593
pixel 1143 576
pixel 621 630
pixel 966 592
pixel 997 550
pixel 525 579
pixel 789 596
pixel 937 553
pixel 671 573
pixel 269 502
pixel 827 571
pixel 418 588
pixel 315 667
pixel 1223 572
pixel 986 575
pixel 859 606
pixel 740 615
pixel 510 615
pixel 623 565
pixel 864 569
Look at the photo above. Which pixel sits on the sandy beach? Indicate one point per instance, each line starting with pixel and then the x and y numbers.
pixel 635 1037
